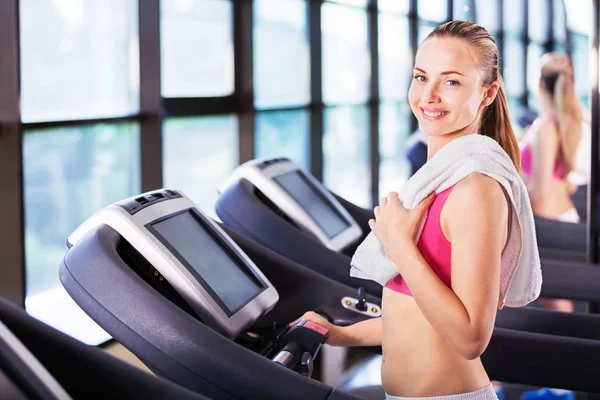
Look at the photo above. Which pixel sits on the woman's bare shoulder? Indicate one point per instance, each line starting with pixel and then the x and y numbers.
pixel 478 191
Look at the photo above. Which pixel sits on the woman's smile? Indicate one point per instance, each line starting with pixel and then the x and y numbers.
pixel 433 114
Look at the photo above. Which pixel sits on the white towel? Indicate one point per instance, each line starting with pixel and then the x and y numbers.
pixel 521 274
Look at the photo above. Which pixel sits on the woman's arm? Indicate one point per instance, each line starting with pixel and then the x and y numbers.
pixel 477 224
pixel 545 152
pixel 364 333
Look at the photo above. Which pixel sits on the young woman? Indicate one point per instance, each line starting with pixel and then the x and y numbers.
pixel 433 334
pixel 549 147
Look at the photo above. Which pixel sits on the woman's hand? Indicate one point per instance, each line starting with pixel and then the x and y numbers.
pixel 336 336
pixel 395 225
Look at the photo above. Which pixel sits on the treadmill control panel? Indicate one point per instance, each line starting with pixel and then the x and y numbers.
pixel 132 206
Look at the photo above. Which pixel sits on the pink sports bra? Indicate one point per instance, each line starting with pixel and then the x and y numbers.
pixel 527 160
pixel 432 244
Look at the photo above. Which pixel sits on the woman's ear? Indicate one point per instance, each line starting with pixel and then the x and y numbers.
pixel 490 93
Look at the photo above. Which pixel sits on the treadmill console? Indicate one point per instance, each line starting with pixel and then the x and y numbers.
pixel 301 198
pixel 188 253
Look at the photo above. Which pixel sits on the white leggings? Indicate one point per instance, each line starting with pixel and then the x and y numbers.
pixel 487 393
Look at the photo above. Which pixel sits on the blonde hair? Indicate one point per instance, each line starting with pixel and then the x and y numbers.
pixel 556 75
pixel 495 120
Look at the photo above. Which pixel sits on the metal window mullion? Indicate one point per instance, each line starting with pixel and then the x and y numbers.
pixel 243 21
pixel 500 44
pixel 151 156
pixel 12 234
pixel 549 36
pixel 316 89
pixel 374 157
pixel 525 40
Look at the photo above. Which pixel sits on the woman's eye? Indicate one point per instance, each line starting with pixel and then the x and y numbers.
pixel 419 78
pixel 453 82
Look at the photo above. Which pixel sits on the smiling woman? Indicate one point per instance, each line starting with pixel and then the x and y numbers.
pixel 439 301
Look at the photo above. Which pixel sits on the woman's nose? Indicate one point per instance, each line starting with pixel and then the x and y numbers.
pixel 430 94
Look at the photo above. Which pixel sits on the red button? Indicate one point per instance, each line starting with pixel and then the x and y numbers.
pixel 317 328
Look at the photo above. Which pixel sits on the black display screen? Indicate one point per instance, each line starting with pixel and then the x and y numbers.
pixel 313 202
pixel 202 251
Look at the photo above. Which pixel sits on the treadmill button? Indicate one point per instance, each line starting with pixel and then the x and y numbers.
pixel 317 328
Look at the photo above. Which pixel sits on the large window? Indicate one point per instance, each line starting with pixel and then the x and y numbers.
pixel 284 134
pixel 395 6
pixel 281 53
pixel 79 59
pixel 197 48
pixel 461 10
pixel 513 73
pixel 487 15
pixel 394 168
pixel 199 154
pixel 513 16
pixel 346 56
pixel 68 174
pixel 559 23
pixel 534 55
pixel 537 21
pixel 395 57
pixel 346 161
pixel 433 10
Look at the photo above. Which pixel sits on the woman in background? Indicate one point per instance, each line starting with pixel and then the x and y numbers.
pixel 549 147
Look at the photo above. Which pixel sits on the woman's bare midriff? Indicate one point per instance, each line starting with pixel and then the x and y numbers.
pixel 417 361
pixel 555 203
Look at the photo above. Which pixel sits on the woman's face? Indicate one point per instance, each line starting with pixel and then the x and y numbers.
pixel 446 90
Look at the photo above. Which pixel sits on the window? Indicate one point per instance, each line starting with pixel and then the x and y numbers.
pixel 433 10
pixel 284 134
pixel 393 6
pixel 423 31
pixel 538 21
pixel 579 16
pixel 513 16
pixel 79 59
pixel 196 48
pixel 514 53
pixel 461 10
pixel 346 55
pixel 281 53
pixel 346 161
pixel 395 57
pixel 534 54
pixel 580 58
pixel 394 169
pixel 356 3
pixel 199 154
pixel 559 23
pixel 487 15
pixel 69 173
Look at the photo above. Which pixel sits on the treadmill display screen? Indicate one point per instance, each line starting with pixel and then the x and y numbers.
pixel 313 202
pixel 221 272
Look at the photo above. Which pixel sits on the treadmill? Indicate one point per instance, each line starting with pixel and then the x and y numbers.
pixel 38 362
pixel 209 309
pixel 278 204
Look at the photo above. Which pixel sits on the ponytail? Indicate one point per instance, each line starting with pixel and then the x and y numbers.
pixel 496 124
